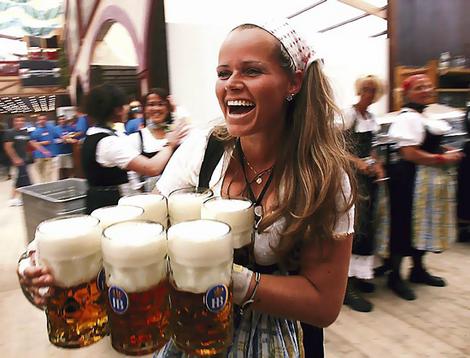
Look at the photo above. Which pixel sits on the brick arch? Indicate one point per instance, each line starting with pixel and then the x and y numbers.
pixel 107 18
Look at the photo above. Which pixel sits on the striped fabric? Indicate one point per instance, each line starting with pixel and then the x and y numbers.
pixel 434 208
pixel 258 335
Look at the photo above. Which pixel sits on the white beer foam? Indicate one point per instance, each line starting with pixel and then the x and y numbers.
pixel 239 214
pixel 201 254
pixel 116 213
pixel 70 246
pixel 201 279
pixel 136 279
pixel 154 205
pixel 134 254
pixel 185 206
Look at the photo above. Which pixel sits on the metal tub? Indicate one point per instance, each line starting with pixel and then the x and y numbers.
pixel 49 200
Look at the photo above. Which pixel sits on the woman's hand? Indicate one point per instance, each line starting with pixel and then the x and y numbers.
pixel 177 135
pixel 378 171
pixel 362 167
pixel 452 157
pixel 36 282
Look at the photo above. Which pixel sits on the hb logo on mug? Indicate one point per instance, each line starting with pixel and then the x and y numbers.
pixel 216 298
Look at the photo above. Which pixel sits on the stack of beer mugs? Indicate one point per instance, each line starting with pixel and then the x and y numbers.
pixel 157 284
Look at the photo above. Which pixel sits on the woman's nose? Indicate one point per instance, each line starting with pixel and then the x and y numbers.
pixel 233 83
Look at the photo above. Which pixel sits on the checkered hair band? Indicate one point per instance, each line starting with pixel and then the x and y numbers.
pixel 297 48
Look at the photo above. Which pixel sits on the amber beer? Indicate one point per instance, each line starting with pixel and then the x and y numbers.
pixel 239 214
pixel 76 311
pixel 134 255
pixel 200 255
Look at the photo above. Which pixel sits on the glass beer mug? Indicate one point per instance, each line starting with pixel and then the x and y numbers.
pixel 134 256
pixel 113 214
pixel 76 311
pixel 154 205
pixel 185 204
pixel 200 258
pixel 239 214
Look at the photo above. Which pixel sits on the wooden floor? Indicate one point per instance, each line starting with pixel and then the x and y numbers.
pixel 437 324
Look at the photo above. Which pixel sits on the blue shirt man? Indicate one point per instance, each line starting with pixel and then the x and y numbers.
pixel 44 134
pixel 62 130
pixel 81 126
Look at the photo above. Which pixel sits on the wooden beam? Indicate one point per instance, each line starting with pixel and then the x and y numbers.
pixel 344 23
pixel 306 9
pixel 366 7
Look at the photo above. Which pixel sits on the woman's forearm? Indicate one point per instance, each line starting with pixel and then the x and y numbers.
pixel 151 166
pixel 420 157
pixel 296 298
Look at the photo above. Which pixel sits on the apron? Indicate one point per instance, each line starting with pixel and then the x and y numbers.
pixel 360 145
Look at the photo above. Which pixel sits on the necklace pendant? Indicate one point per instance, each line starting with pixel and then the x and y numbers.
pixel 259 180
pixel 258 215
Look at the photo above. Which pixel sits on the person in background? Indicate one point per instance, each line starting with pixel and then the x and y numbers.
pixel 44 135
pixel 360 127
pixel 15 144
pixel 81 125
pixel 5 163
pixel 64 138
pixel 107 156
pixel 162 115
pixel 463 192
pixel 135 120
pixel 422 193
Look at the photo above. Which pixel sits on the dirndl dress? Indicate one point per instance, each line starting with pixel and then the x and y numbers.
pixel 422 204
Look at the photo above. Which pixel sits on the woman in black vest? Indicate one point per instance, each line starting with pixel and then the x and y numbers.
pixel 106 156
pixel 421 190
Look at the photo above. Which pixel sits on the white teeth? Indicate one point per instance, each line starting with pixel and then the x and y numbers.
pixel 240 103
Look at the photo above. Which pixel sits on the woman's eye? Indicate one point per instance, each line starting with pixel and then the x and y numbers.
pixel 253 71
pixel 223 75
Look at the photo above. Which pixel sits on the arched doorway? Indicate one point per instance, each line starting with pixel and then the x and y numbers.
pixel 114 59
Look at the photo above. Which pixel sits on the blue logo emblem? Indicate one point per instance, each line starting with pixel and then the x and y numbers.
pixel 100 280
pixel 118 299
pixel 216 298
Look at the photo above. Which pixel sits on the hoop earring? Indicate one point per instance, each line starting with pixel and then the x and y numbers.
pixel 290 97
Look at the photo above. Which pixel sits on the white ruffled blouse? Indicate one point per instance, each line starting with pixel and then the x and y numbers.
pixel 409 128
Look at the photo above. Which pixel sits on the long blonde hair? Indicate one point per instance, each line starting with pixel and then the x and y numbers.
pixel 310 170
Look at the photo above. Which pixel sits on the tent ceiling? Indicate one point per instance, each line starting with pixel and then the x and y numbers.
pixel 351 17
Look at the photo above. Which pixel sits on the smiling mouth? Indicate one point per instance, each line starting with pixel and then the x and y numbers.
pixel 240 106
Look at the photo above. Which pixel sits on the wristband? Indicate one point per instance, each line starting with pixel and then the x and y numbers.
pixel 245 305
